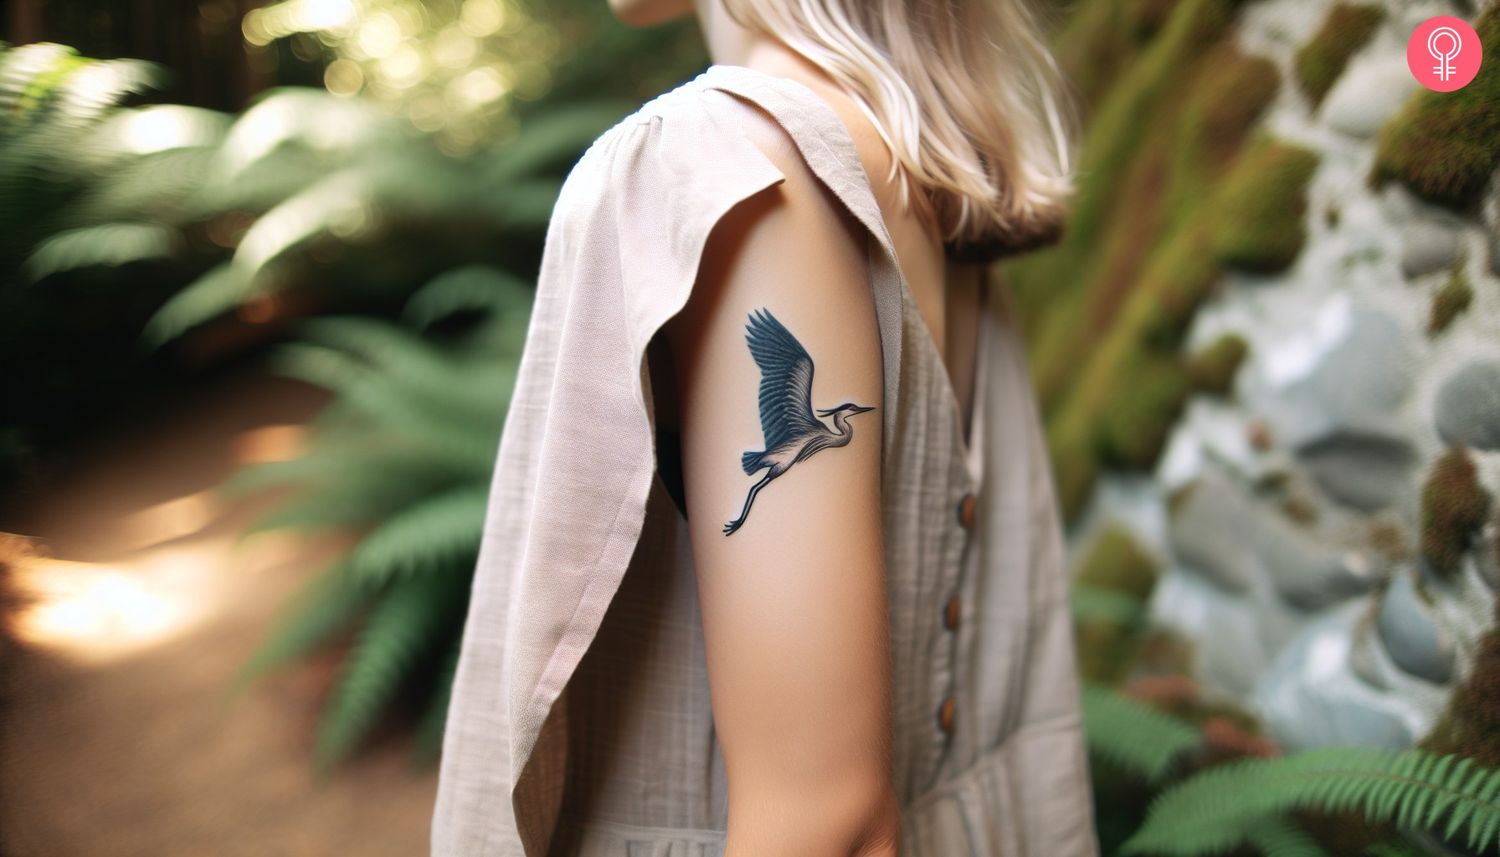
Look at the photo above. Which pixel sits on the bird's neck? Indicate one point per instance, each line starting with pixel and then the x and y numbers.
pixel 841 423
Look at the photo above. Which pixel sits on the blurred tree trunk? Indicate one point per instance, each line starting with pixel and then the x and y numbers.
pixel 24 23
pixel 199 41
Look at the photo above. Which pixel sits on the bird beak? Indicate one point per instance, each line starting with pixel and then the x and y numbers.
pixel 859 410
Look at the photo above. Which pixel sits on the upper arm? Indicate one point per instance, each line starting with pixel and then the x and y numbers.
pixel 794 603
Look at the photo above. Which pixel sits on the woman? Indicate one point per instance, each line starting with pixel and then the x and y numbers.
pixel 772 563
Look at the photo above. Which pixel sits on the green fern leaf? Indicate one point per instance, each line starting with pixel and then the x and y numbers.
pixel 1214 810
pixel 1282 838
pixel 440 533
pixel 410 621
pixel 216 292
pixel 111 244
pixel 326 605
pixel 1133 736
pixel 551 139
pixel 472 287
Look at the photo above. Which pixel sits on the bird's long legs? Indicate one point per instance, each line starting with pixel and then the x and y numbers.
pixel 754 489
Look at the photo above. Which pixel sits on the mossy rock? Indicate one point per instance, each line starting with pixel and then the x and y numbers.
pixel 1449 302
pixel 1137 421
pixel 1454 506
pixel 1213 369
pixel 1445 146
pixel 1102 38
pixel 1321 61
pixel 1118 576
pixel 1258 222
pixel 1471 724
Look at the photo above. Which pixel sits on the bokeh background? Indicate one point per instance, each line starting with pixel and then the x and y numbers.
pixel 266 277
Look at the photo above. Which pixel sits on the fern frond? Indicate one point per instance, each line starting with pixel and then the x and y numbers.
pixel 1216 809
pixel 218 290
pixel 1279 837
pixel 440 533
pixel 551 139
pixel 410 620
pixel 326 605
pixel 110 244
pixel 1133 736
pixel 472 287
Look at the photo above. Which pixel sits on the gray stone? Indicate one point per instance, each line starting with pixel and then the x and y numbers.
pixel 1207 533
pixel 1346 368
pixel 1410 635
pixel 1366 96
pixel 1486 554
pixel 1222 534
pixel 1234 637
pixel 1427 247
pixel 1468 407
pixel 1310 697
pixel 1310 575
pixel 1365 471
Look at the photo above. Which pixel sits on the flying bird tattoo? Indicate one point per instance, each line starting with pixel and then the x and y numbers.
pixel 793 431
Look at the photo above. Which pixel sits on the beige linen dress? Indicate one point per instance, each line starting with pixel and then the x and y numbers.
pixel 580 722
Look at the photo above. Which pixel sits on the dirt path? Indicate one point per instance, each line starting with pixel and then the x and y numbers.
pixel 116 734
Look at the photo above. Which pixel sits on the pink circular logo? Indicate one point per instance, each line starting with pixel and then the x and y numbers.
pixel 1444 53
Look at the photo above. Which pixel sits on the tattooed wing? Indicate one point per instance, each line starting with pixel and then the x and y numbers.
pixel 786 373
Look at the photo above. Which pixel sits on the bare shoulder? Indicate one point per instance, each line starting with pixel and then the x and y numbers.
pixel 799 222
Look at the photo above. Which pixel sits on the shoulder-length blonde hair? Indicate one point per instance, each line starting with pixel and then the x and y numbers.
pixel 965 94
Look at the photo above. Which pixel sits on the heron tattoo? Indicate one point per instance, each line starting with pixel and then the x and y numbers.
pixel 792 431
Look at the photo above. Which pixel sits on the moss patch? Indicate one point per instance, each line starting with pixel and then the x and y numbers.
pixel 1454 506
pixel 1259 226
pixel 1139 416
pixel 1444 146
pixel 1321 61
pixel 1213 369
pixel 1471 723
pixel 1449 302
pixel 1111 588
pixel 1107 308
pixel 1103 37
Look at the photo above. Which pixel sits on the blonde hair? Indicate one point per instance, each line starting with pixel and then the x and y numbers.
pixel 964 93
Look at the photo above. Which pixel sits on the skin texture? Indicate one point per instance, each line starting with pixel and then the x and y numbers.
pixel 794 605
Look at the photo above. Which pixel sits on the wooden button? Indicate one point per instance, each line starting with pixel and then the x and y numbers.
pixel 945 714
pixel 966 510
pixel 951 613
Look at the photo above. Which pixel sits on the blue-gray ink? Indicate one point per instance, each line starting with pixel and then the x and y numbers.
pixel 792 430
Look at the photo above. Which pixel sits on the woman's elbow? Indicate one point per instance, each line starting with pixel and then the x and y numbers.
pixel 855 820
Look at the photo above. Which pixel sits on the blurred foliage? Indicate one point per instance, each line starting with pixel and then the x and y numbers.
pixel 404 453
pixel 471 71
pixel 220 233
pixel 74 196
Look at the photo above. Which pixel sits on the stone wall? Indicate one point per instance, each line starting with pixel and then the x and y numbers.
pixel 1294 408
